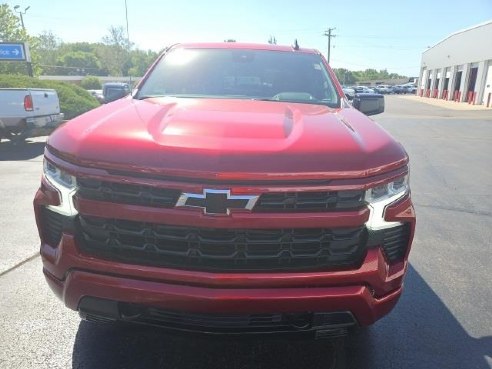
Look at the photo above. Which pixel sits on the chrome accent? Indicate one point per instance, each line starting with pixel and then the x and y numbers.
pixel 66 194
pixel 183 199
pixel 66 199
pixel 377 209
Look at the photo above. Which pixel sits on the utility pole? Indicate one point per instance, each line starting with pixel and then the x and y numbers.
pixel 329 35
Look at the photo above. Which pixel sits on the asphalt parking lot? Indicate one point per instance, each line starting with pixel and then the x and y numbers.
pixel 443 320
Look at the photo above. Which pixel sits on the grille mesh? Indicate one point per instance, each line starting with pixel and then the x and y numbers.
pixel 133 194
pixel 127 193
pixel 222 249
pixel 310 201
pixel 395 242
pixel 52 226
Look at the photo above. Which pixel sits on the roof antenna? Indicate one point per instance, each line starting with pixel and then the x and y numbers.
pixel 296 45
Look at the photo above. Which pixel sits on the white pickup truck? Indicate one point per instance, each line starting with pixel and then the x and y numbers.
pixel 28 112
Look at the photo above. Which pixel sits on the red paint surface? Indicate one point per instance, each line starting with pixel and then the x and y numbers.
pixel 264 146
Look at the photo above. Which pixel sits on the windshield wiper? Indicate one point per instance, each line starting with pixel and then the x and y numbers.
pixel 143 97
pixel 311 102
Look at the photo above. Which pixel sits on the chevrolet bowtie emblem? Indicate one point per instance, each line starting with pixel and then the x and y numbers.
pixel 217 202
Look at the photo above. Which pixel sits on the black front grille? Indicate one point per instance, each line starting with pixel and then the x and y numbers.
pixel 102 310
pixel 309 201
pixel 273 202
pixel 207 321
pixel 237 323
pixel 395 242
pixel 52 226
pixel 127 193
pixel 222 249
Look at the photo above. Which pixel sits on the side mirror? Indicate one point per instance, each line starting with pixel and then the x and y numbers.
pixel 369 104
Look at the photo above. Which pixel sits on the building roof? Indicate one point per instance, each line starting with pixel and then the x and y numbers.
pixel 461 31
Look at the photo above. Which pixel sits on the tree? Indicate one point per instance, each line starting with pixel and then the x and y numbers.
pixel 140 61
pixel 370 74
pixel 12 31
pixel 48 49
pixel 115 51
pixel 79 63
pixel 10 28
pixel 345 76
pixel 91 83
pixel 116 37
pixel 78 46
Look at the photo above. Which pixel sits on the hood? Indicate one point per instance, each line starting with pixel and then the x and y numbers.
pixel 228 138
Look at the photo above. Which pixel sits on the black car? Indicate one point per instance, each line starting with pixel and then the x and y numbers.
pixel 115 90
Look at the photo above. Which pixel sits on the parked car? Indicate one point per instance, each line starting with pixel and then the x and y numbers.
pixel 349 92
pixel 383 89
pixel 28 112
pixel 98 94
pixel 400 89
pixel 235 192
pixel 115 90
pixel 411 88
pixel 363 90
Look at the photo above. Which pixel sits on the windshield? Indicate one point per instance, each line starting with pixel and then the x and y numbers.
pixel 237 73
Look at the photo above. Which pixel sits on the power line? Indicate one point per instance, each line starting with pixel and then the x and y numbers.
pixel 329 35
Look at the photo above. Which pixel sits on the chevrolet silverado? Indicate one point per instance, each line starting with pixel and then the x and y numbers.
pixel 235 191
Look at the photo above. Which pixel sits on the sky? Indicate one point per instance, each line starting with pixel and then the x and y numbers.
pixel 369 34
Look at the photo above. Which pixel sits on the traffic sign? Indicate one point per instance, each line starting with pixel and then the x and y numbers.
pixel 13 51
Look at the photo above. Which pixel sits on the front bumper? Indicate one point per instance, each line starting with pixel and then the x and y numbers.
pixel 31 126
pixel 73 276
pixel 367 292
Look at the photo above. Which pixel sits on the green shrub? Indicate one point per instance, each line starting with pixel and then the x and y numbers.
pixel 91 83
pixel 74 100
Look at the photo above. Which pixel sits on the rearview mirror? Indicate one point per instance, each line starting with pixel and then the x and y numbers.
pixel 369 104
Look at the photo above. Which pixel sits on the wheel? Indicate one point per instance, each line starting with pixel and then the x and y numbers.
pixel 17 138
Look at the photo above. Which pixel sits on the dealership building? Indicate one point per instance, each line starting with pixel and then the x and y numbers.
pixel 459 68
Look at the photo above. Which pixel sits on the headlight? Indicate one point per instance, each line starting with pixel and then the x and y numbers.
pixel 58 176
pixel 379 197
pixel 66 185
pixel 393 190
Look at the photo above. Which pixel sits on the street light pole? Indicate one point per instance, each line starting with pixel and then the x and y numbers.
pixel 21 13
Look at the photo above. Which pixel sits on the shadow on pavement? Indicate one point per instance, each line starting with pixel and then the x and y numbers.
pixel 420 333
pixel 119 346
pixel 21 151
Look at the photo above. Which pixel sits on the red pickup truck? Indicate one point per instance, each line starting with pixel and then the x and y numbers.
pixel 236 191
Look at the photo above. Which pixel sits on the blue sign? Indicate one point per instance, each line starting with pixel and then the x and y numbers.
pixel 12 52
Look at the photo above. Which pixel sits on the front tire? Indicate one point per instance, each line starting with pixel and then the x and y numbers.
pixel 17 138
